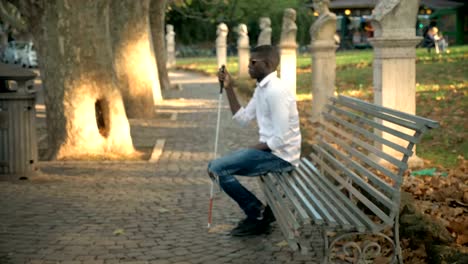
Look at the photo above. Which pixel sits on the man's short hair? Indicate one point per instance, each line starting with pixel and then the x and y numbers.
pixel 268 53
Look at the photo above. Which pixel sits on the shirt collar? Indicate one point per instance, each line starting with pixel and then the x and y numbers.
pixel 267 79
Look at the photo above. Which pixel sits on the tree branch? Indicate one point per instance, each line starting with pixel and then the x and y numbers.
pixel 10 14
pixel 192 14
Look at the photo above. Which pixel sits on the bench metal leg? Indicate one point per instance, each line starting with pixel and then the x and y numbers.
pixel 326 250
pixel 396 237
pixel 361 253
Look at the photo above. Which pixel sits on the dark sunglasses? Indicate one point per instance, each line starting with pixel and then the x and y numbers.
pixel 253 61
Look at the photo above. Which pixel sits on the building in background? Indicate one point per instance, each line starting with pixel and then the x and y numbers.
pixel 354 30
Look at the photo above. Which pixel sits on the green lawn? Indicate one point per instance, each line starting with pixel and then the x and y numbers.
pixel 441 85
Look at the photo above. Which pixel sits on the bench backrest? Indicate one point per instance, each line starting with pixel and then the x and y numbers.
pixel 349 152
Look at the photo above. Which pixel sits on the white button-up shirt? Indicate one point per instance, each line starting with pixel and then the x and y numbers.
pixel 274 107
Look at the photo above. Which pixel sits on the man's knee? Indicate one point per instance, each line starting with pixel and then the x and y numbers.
pixel 212 175
pixel 213 171
pixel 214 167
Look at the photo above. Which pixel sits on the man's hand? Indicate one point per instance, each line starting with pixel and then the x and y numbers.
pixel 225 77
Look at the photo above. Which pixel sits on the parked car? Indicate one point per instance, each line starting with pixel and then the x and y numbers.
pixel 20 52
pixel 28 55
pixel 10 54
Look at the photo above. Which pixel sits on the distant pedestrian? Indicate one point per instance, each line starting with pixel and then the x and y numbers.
pixel 274 107
pixel 433 39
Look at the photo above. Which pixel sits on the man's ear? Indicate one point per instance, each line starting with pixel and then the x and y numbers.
pixel 269 65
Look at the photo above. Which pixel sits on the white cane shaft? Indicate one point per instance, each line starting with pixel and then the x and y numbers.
pixel 210 210
pixel 220 101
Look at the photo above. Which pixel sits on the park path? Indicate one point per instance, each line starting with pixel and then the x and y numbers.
pixel 139 212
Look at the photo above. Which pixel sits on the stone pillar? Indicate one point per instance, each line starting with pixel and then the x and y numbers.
pixel 288 48
pixel 243 50
pixel 394 64
pixel 170 46
pixel 264 38
pixel 323 49
pixel 221 46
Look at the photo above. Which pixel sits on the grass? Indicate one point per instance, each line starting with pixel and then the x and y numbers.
pixel 441 93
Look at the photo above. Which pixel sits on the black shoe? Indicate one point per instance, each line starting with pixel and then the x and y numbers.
pixel 249 226
pixel 268 216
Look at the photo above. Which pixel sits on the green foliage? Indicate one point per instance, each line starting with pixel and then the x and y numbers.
pixel 195 21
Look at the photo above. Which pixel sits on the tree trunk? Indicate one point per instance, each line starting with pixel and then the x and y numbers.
pixel 134 59
pixel 157 21
pixel 85 112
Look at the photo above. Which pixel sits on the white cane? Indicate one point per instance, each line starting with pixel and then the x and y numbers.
pixel 220 102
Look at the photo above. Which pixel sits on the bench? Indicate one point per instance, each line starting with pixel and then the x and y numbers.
pixel 341 205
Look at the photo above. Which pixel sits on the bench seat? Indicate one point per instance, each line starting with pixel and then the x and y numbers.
pixel 350 182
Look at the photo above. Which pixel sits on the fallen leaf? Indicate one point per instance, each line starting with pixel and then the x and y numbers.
pixel 163 210
pixel 462 239
pixel 119 232
pixel 457 227
pixel 282 243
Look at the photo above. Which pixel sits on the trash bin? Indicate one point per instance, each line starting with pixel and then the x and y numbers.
pixel 18 145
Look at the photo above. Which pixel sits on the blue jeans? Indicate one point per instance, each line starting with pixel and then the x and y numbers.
pixel 246 162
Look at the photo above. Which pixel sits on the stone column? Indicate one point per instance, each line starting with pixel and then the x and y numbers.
pixel 394 64
pixel 170 46
pixel 243 50
pixel 288 48
pixel 264 38
pixel 221 46
pixel 323 49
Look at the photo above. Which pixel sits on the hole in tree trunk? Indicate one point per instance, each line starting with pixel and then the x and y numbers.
pixel 102 116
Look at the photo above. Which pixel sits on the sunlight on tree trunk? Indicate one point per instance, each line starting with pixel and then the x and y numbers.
pixel 85 112
pixel 157 18
pixel 134 59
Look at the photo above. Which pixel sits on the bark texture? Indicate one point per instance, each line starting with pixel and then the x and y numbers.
pixel 134 60
pixel 85 112
pixel 157 22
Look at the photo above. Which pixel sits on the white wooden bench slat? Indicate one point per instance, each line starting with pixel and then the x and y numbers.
pixel 376 112
pixel 360 220
pixel 378 126
pixel 368 134
pixel 418 119
pixel 287 188
pixel 321 191
pixel 373 164
pixel 316 217
pixel 357 179
pixel 313 199
pixel 286 229
pixel 363 199
pixel 364 145
pixel 388 189
pixel 352 206
pixel 288 215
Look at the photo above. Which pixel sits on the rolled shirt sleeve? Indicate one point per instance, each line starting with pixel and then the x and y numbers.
pixel 245 115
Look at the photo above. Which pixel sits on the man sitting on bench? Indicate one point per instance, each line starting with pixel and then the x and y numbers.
pixel 274 107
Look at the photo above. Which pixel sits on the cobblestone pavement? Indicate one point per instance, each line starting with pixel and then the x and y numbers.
pixel 139 212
